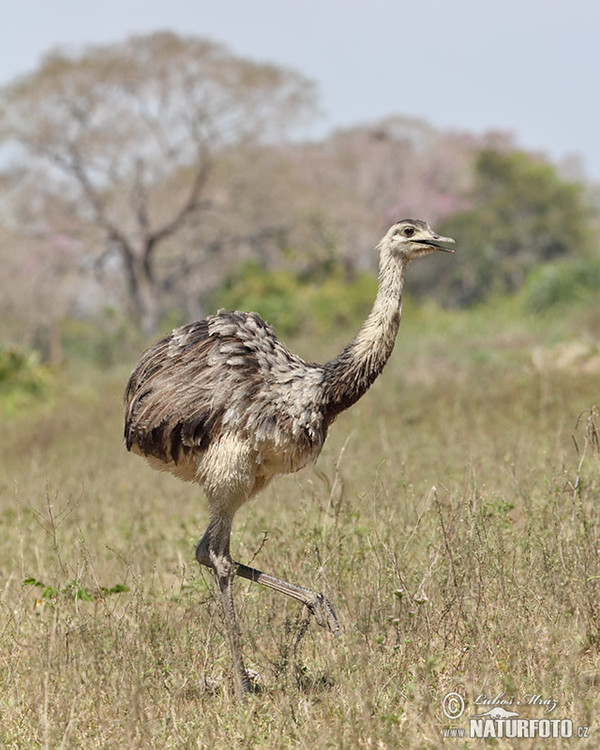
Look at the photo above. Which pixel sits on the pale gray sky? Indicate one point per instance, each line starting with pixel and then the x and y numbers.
pixel 531 67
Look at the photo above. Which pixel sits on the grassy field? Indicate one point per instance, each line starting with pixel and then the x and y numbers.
pixel 452 520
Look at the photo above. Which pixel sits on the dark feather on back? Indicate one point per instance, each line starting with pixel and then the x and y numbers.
pixel 228 366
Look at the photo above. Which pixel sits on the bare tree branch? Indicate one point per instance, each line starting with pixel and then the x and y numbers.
pixel 137 130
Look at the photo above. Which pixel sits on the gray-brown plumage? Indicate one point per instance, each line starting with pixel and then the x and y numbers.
pixel 223 403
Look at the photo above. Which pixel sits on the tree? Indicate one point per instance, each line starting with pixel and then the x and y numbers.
pixel 359 180
pixel 131 133
pixel 521 214
pixel 41 272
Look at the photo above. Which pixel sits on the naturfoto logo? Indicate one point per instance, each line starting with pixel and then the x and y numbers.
pixel 502 720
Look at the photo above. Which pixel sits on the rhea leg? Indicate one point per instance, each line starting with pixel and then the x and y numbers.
pixel 213 551
pixel 318 605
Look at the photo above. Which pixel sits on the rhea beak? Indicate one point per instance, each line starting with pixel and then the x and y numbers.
pixel 441 247
pixel 436 239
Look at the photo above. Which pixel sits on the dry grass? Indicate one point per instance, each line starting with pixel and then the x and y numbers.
pixel 452 520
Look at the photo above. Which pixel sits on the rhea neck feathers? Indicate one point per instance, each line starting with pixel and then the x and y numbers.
pixel 353 371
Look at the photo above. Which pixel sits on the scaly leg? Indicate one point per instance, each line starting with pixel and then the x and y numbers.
pixel 213 551
pixel 318 605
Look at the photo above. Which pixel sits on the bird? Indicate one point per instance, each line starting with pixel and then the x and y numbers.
pixel 223 403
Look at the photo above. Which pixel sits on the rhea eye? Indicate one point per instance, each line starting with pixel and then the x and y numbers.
pixel 408 231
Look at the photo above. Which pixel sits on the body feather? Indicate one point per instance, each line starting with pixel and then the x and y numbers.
pixel 225 375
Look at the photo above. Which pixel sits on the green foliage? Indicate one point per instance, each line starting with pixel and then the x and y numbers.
pixel 74 590
pixel 273 294
pixel 104 340
pixel 295 305
pixel 562 283
pixel 22 377
pixel 522 213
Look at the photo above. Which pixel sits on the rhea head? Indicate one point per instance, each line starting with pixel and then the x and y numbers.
pixel 412 238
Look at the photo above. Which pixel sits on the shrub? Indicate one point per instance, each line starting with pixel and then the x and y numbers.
pixel 22 377
pixel 104 339
pixel 295 305
pixel 562 283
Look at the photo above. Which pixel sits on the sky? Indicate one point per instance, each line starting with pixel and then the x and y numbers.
pixel 528 67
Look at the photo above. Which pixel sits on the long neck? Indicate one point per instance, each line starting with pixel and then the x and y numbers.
pixel 353 371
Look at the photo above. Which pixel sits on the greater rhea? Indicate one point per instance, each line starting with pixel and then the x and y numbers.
pixel 222 402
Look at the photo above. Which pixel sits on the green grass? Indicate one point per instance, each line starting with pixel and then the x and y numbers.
pixel 452 520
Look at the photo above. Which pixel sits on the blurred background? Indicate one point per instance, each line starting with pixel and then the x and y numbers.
pixel 158 161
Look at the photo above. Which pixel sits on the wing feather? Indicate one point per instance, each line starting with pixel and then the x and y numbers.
pixel 227 372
